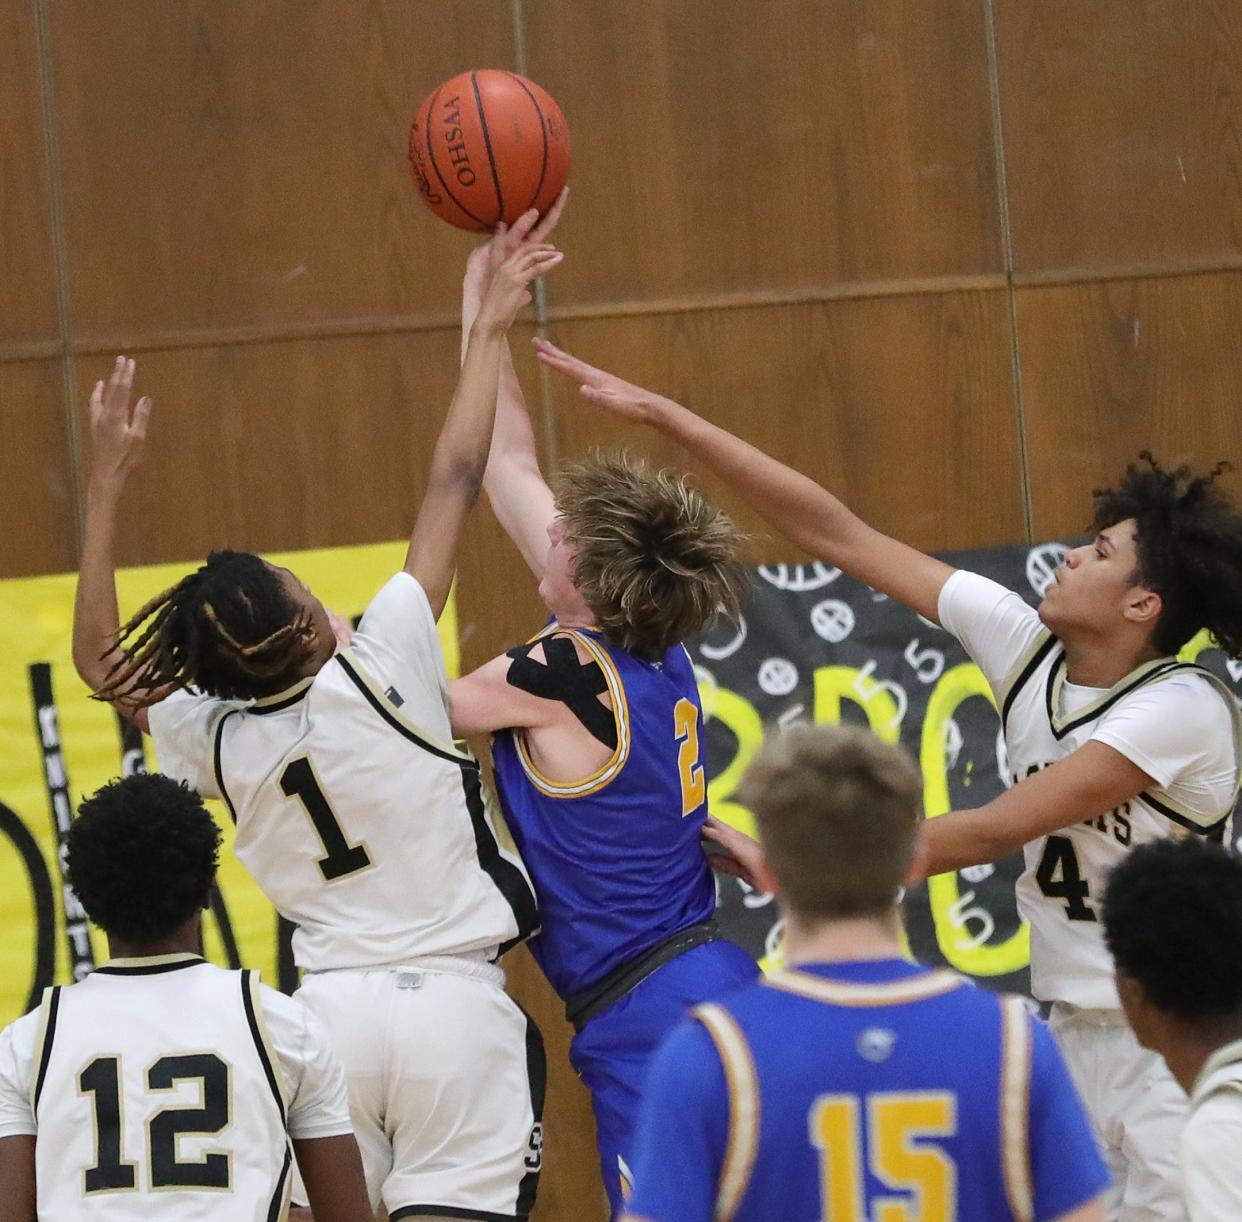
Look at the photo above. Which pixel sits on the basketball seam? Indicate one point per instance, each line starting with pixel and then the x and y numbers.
pixel 543 128
pixel 487 143
pixel 431 153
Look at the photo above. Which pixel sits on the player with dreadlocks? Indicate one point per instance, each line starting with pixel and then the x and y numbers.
pixel 1112 742
pixel 355 813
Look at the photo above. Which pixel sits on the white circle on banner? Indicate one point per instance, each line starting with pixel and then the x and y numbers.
pixel 803 577
pixel 1042 563
pixel 777 676
pixel 832 620
pixel 976 874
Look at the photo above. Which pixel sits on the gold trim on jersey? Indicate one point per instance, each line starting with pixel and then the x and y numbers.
pixel 1136 678
pixel 848 993
pixel 180 956
pixel 744 1106
pixel 397 715
pixel 1015 1109
pixel 294 689
pixel 1015 671
pixel 252 981
pixel 36 1057
pixel 620 714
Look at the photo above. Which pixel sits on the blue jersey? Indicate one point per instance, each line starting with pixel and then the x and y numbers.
pixel 615 857
pixel 862 1091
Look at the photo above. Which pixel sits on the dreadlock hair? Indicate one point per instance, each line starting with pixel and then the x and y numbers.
pixel 141 856
pixel 229 629
pixel 1189 541
pixel 654 560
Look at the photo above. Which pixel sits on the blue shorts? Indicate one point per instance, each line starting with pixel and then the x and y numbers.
pixel 612 1051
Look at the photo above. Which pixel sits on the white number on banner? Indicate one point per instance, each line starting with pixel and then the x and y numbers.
pixel 928 664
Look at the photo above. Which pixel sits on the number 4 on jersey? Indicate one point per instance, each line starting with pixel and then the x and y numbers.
pixel 1059 878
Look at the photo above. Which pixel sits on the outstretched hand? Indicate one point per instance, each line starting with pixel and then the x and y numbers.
pixel 509 289
pixel 486 259
pixel 117 433
pixel 605 390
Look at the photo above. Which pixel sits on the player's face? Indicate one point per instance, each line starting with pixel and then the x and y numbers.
pixel 1095 585
pixel 557 588
pixel 321 625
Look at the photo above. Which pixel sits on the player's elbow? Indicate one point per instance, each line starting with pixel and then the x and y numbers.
pixel 460 475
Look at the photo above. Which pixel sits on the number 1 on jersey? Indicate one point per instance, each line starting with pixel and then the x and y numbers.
pixel 686 731
pixel 340 857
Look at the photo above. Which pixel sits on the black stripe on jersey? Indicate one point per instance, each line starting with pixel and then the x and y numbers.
pixel 53 1005
pixel 147 969
pixel 253 1019
pixel 397 725
pixel 219 767
pixel 1099 710
pixel 537 1076
pixel 261 710
pixel 1027 671
pixel 452 1211
pixel 1214 831
pixel 278 1197
pixel 508 879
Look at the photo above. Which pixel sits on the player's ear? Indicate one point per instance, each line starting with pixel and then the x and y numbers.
pixel 1143 606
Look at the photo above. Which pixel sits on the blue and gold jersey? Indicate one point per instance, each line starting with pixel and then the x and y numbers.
pixel 861 1092
pixel 615 857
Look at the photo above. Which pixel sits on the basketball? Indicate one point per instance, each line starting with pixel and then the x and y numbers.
pixel 486 146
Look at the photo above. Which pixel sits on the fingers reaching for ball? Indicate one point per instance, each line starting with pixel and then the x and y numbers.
pixel 509 290
pixel 596 385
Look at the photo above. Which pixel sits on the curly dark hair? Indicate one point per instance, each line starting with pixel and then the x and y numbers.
pixel 141 856
pixel 1189 540
pixel 1173 921
pixel 229 629
pixel 655 560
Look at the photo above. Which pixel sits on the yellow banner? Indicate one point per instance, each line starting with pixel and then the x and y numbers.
pixel 36 616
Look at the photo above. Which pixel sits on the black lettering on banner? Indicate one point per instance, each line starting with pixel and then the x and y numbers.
pixel 47 726
pixel 1071 887
pixel 44 903
pixel 340 857
pixel 102 1078
pixel 134 761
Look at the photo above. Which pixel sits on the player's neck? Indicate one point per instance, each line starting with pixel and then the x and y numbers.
pixel 843 941
pixel 186 939
pixel 1104 661
pixel 1189 1048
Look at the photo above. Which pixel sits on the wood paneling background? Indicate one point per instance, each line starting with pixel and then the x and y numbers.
pixel 960 259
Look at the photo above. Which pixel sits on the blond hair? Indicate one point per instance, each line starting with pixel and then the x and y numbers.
pixel 654 560
pixel 838 812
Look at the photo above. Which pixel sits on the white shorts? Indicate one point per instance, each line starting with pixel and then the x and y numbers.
pixel 446 1079
pixel 1136 1108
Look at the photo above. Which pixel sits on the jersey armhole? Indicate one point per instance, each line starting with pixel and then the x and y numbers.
pixel 49 1007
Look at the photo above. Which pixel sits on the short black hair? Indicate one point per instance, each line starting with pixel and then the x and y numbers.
pixel 141 856
pixel 1173 921
pixel 1189 540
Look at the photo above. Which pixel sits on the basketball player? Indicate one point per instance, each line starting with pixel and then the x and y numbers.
pixel 355 813
pixel 597 746
pixel 1173 921
pixel 856 1084
pixel 162 1086
pixel 1111 742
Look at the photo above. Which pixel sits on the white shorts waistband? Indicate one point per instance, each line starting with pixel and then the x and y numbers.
pixel 1064 1012
pixel 472 964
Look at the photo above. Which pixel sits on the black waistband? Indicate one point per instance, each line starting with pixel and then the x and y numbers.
pixel 581 1007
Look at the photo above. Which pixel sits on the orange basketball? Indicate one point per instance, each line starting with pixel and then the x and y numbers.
pixel 486 146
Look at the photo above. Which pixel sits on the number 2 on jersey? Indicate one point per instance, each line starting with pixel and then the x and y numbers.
pixel 686 731
pixel 898 1154
pixel 340 857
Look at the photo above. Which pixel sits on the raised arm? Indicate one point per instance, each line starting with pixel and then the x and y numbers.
pixel 460 455
pixel 795 505
pixel 117 437
pixel 515 486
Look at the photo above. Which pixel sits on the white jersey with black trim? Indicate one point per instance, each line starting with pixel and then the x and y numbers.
pixel 356 814
pixel 168 1087
pixel 1175 721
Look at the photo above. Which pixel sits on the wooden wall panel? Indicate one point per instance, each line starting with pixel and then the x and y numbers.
pixel 35 472
pixel 241 164
pixel 1123 130
pixel 729 147
pixel 305 443
pixel 1112 369
pixel 28 303
pixel 900 405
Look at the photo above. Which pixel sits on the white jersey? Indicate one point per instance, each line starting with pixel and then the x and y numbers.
pixel 167 1087
pixel 1210 1141
pixel 1175 721
pixel 356 815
